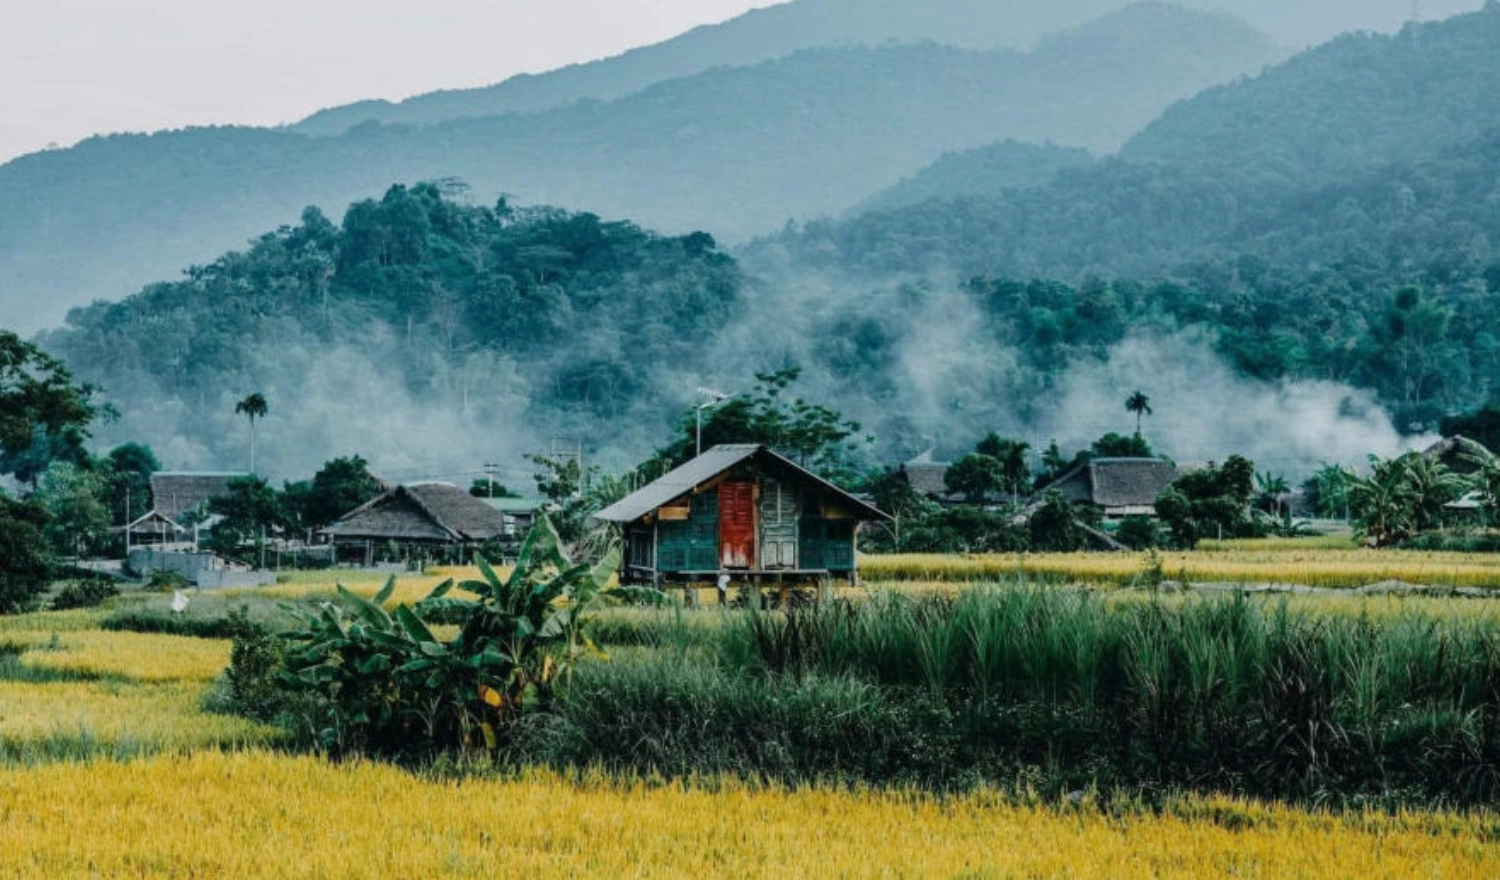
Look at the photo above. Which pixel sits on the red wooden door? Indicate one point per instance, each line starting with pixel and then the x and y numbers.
pixel 736 524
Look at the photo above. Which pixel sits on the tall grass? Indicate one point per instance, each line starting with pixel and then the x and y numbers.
pixel 1223 693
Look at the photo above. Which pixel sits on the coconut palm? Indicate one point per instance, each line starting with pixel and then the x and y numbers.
pixel 1139 404
pixel 253 407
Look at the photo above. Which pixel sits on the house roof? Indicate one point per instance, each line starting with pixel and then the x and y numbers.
pixel 421 512
pixel 1117 482
pixel 708 466
pixel 927 477
pixel 174 493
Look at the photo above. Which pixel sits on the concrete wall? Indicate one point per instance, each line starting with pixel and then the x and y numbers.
pixel 223 578
pixel 203 569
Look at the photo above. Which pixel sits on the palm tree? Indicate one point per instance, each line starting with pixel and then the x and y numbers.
pixel 254 407
pixel 1273 490
pixel 1139 404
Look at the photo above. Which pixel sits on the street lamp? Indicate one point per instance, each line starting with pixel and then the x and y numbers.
pixel 714 399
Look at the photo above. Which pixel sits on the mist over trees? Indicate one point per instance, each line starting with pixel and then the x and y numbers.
pixel 735 151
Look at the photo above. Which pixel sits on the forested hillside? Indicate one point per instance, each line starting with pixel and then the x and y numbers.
pixel 733 151
pixel 988 171
pixel 1326 175
pixel 418 330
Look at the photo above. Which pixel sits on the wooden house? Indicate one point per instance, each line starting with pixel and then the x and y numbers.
pixel 740 511
pixel 433 515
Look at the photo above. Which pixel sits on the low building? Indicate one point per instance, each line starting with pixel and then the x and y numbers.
pixel 433 516
pixel 740 511
pixel 1117 487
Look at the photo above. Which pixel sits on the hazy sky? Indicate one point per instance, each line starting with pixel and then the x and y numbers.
pixel 72 68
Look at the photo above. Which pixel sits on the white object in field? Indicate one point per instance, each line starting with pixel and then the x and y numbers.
pixel 179 601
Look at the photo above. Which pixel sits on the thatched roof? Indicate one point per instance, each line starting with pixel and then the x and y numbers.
pixel 927 478
pixel 1117 483
pixel 437 512
pixel 707 468
pixel 174 493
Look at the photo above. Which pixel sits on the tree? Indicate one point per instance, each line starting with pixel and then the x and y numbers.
pixel 339 487
pixel 253 407
pixel 1211 502
pixel 1054 526
pixel 1011 454
pixel 1327 491
pixel 25 558
pixel 1272 490
pixel 486 487
pixel 75 502
pixel 250 510
pixel 976 477
pixel 43 414
pixel 1114 445
pixel 1381 504
pixel 128 470
pixel 812 434
pixel 1139 404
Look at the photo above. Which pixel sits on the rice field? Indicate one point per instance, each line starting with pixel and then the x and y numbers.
pixel 264 815
pixel 1292 563
pixel 111 767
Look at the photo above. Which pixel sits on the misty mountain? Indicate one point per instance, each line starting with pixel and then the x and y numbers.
pixel 982 171
pixel 431 336
pixel 734 151
pixel 778 31
pixel 1371 148
pixel 1358 102
pixel 423 333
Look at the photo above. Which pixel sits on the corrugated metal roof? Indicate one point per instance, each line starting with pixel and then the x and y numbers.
pixel 677 483
pixel 704 469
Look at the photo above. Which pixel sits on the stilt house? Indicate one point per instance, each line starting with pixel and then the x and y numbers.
pixel 741 511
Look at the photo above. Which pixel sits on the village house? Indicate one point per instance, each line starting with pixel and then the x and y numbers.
pixel 1116 487
pixel 740 512
pixel 436 517
pixel 177 499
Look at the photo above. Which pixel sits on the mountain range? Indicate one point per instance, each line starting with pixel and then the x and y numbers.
pixel 733 151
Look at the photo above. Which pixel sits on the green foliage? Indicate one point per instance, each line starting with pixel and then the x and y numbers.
pixel 812 434
pixel 382 681
pixel 44 416
pixel 77 519
pixel 84 593
pixel 1114 445
pixel 1401 497
pixel 128 469
pixel 251 511
pixel 964 529
pixel 1139 533
pixel 25 556
pixel 1210 503
pixel 342 485
pixel 1054 526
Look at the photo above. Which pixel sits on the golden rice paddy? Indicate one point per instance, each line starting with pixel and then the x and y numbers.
pixel 208 799
pixel 258 814
pixel 1307 566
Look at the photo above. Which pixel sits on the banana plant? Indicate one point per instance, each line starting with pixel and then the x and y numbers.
pixel 386 679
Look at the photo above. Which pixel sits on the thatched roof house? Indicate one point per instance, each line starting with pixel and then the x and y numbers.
pixel 740 511
pixel 175 493
pixel 426 513
pixel 1119 487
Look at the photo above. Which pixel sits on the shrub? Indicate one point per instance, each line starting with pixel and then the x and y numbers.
pixel 87 593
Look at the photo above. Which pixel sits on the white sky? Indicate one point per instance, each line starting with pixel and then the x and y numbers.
pixel 73 68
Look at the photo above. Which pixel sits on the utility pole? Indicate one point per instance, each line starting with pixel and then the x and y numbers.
pixel 489 470
pixel 127 524
pixel 714 399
